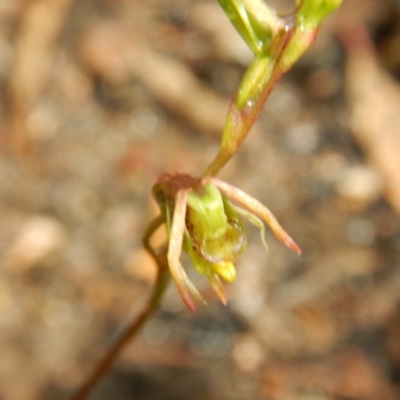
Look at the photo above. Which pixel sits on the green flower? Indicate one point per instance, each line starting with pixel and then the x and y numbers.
pixel 202 221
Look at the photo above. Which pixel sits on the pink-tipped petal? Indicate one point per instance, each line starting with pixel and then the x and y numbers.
pixel 185 286
pixel 175 247
pixel 292 245
pixel 194 294
pixel 187 290
pixel 218 288
pixel 257 208
pixel 188 300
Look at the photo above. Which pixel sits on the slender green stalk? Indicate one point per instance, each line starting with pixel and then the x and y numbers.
pixel 238 124
pixel 283 42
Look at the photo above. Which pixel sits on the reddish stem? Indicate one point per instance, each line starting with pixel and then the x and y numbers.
pixel 104 365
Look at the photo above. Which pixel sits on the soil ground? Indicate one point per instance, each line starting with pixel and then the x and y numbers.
pixel 97 99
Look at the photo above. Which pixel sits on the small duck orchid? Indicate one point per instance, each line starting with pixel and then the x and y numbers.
pixel 201 219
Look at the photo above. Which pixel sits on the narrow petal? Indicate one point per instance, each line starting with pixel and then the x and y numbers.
pixel 257 208
pixel 185 286
pixel 218 288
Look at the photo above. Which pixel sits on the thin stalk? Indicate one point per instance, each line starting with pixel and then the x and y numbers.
pixel 240 120
pixel 132 329
pixel 239 123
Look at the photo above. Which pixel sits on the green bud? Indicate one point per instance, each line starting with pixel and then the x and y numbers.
pixel 254 21
pixel 257 74
pixel 311 13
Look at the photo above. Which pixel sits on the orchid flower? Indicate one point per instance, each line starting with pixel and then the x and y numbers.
pixel 203 217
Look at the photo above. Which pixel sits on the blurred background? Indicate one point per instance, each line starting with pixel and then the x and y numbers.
pixel 99 97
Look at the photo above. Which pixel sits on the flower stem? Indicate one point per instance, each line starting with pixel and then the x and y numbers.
pixel 240 120
pixel 237 126
pixel 132 329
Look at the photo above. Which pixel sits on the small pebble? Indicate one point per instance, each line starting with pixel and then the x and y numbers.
pixel 360 187
pixel 39 237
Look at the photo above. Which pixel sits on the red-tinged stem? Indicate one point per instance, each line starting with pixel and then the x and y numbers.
pixel 152 305
pixel 104 365
pixel 238 124
pixel 239 121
